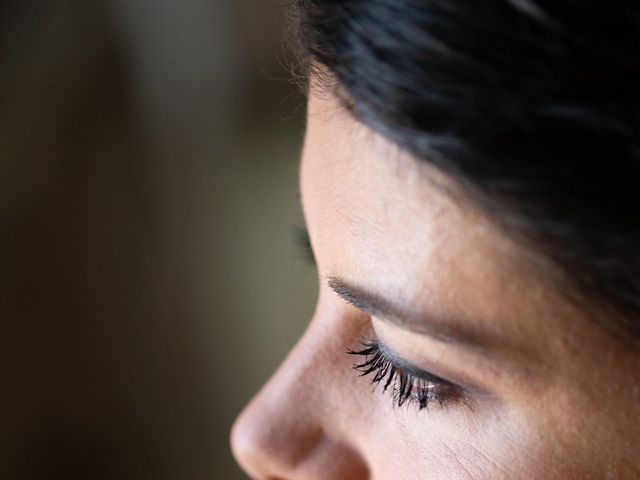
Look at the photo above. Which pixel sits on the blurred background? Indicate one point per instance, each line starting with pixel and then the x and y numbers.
pixel 149 280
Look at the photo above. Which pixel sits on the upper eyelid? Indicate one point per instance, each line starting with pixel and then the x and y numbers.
pixel 464 386
pixel 411 369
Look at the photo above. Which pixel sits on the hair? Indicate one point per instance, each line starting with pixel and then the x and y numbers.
pixel 533 107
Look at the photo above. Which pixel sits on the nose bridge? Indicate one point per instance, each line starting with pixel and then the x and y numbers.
pixel 297 426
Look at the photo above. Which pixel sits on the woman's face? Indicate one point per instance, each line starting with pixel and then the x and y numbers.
pixel 502 377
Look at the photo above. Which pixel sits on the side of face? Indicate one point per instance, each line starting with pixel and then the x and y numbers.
pixel 539 390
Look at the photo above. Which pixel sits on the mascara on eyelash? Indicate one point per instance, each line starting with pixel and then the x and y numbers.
pixel 406 387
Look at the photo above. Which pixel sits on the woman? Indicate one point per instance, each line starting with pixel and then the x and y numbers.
pixel 470 181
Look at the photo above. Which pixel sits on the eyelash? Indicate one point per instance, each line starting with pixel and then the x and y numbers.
pixel 303 242
pixel 406 387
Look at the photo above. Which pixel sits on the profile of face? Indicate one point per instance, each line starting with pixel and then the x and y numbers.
pixel 469 361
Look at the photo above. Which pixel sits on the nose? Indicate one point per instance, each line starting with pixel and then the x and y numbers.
pixel 299 427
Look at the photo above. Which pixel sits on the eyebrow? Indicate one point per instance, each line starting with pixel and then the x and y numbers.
pixel 443 329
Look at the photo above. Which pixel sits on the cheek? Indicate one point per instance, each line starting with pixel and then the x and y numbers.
pixel 480 445
pixel 432 444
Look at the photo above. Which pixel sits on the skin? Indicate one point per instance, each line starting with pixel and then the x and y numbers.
pixel 549 394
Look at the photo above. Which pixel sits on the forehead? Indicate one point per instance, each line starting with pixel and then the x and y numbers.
pixel 385 220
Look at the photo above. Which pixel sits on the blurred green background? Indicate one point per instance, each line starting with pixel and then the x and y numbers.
pixel 150 280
